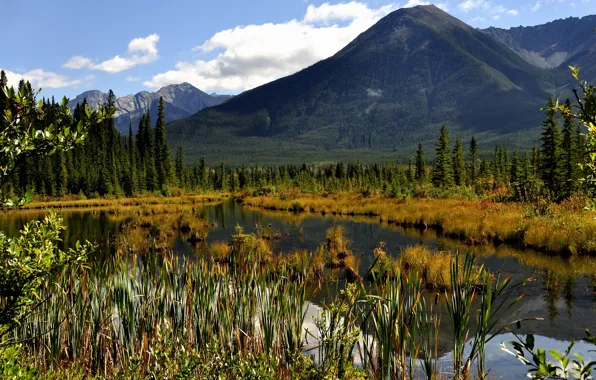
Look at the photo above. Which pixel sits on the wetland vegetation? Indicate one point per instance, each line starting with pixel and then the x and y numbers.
pixel 267 272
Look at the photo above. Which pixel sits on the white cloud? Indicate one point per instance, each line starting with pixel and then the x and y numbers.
pixel 77 62
pixel 468 5
pixel 486 7
pixel 252 55
pixel 132 79
pixel 535 7
pixel 140 51
pixel 477 19
pixel 343 12
pixel 41 78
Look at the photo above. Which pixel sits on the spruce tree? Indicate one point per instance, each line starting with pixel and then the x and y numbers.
pixel 496 165
pixel 420 170
pixel 163 158
pixel 202 175
pixel 569 152
pixel 473 160
pixel 148 156
pixel 459 163
pixel 515 176
pixel 132 163
pixel 61 176
pixel 3 98
pixel 550 151
pixel 443 171
pixel 180 167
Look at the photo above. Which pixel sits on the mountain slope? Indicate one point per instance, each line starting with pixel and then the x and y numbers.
pixel 181 100
pixel 557 44
pixel 388 89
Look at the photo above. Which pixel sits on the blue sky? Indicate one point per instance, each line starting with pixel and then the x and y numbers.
pixel 225 46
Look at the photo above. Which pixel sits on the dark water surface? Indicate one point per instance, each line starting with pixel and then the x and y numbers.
pixel 563 291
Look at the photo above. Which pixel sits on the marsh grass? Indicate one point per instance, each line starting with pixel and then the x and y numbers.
pixel 433 268
pixel 159 316
pixel 564 229
pixel 73 202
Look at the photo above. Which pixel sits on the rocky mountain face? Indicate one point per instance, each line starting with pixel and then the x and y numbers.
pixel 554 45
pixel 393 86
pixel 181 100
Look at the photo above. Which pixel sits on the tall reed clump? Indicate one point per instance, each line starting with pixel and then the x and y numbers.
pixel 112 318
pixel 398 322
pixel 462 302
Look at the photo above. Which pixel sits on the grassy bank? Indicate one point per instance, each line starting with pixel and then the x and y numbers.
pixel 562 228
pixel 74 202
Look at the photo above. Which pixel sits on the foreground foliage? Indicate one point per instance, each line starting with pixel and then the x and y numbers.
pixel 29 259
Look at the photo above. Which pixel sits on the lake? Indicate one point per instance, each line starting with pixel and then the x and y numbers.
pixel 563 291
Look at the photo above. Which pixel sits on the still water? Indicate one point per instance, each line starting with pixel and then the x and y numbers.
pixel 562 292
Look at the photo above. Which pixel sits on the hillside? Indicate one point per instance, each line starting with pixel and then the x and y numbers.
pixel 388 89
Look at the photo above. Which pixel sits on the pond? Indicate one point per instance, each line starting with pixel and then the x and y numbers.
pixel 562 292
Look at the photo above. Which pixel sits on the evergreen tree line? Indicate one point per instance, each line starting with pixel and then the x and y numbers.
pixel 106 164
pixel 553 170
pixel 110 164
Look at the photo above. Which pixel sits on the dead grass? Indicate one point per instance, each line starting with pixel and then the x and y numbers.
pixel 70 202
pixel 433 268
pixel 475 222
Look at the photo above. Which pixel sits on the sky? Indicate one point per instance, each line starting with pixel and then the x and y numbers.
pixel 225 46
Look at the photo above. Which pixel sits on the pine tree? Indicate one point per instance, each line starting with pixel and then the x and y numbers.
pixel 180 166
pixel 148 156
pixel 132 163
pixel 535 162
pixel 515 175
pixel 113 147
pixel 3 99
pixel 459 163
pixel 61 177
pixel 569 152
pixel 163 158
pixel 443 171
pixel 496 165
pixel 420 170
pixel 550 152
pixel 222 178
pixel 202 180
pixel 473 160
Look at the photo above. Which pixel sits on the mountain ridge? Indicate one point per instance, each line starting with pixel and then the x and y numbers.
pixel 181 100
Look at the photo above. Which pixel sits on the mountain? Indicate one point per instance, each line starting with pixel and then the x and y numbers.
pixel 393 86
pixel 555 45
pixel 181 100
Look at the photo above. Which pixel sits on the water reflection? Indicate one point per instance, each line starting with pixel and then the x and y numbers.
pixel 504 366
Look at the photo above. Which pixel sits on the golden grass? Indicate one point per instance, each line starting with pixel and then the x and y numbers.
pixel 69 202
pixel 219 251
pixel 475 222
pixel 434 268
